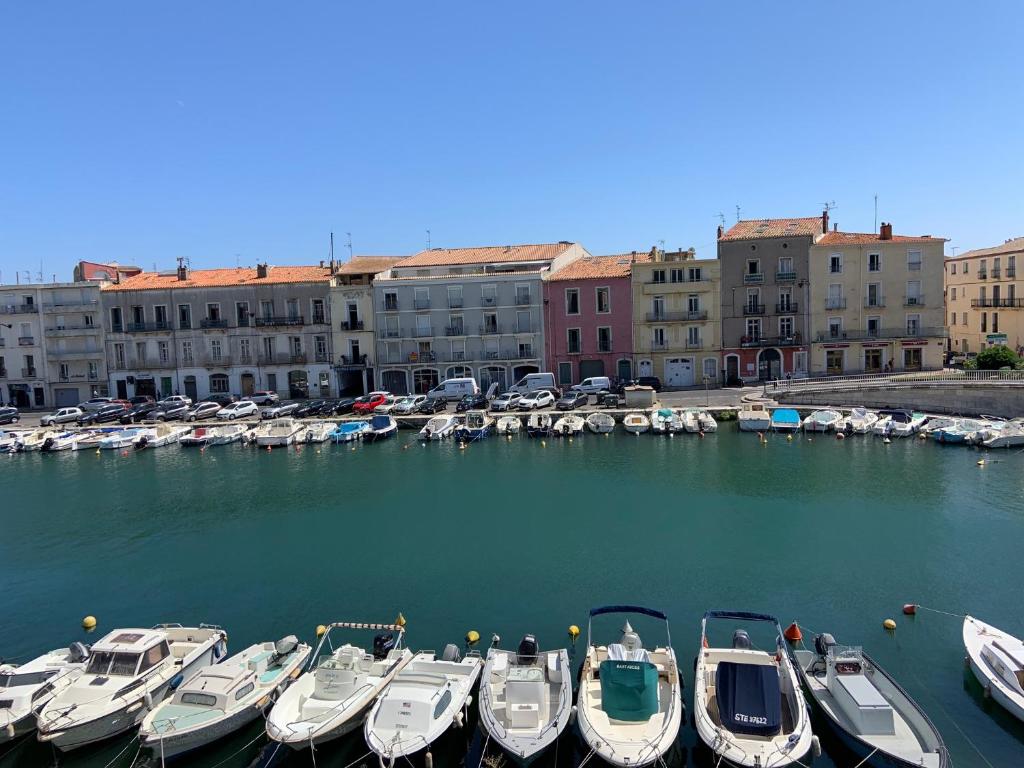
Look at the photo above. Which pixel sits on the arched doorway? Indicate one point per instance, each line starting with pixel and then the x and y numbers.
pixel 769 364
pixel 298 385
pixel 493 374
pixel 394 382
pixel 191 390
pixel 679 372
pixel 646 368
pixel 521 370
pixel 459 372
pixel 219 383
pixel 248 382
pixel 732 371
pixel 624 370
pixel 424 380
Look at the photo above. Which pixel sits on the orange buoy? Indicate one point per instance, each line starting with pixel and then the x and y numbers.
pixel 910 609
pixel 793 633
pixel 840 436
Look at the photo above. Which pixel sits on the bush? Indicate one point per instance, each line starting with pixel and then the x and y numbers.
pixel 994 358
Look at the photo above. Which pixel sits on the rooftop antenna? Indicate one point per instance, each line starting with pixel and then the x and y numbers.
pixel 331 251
pixel 238 260
pixel 721 217
pixel 955 249
pixel 829 207
pixel 737 214
pixel 349 245
pixel 876 213
pixel 662 243
pixel 428 239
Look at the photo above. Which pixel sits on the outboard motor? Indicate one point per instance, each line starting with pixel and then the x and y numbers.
pixel 78 652
pixel 630 639
pixel 741 640
pixel 527 652
pixel 382 644
pixel 47 444
pixel 283 647
pixel 823 642
pixel 451 653
pixel 141 443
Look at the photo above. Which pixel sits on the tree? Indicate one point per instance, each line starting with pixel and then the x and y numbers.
pixel 994 358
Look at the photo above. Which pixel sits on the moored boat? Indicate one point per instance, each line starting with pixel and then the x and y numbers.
pixel 317 432
pixel 661 420
pixel 706 421
pixel 116 440
pixel 822 421
pixel 858 422
pixel 26 688
pixel 160 435
pixel 439 427
pixel 1009 434
pixel 539 425
pixel 754 417
pixel 348 431
pixel 34 440
pixel 568 425
pixel 382 426
pixel 691 420
pixel 636 423
pixel 997 660
pixel 207 436
pixel 65 441
pixel 600 423
pixel 277 432
pixel 509 425
pixel 785 420
pixel 10 437
pixel 478 425
pixel 962 431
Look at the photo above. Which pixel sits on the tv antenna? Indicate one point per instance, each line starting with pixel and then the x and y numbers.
pixel 737 214
pixel 428 239
pixel 349 245
pixel 876 213
pixel 721 218
pixel 829 207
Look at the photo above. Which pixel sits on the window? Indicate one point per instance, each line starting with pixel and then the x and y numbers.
pixel 658 308
pixel 241 314
pixel 522 322
pixel 215 350
pixel 786 270
pixel 525 350
pixel 490 322
pixel 320 348
pixel 93 370
pixel 219 382
pixel 952 293
pixel 658 276
pixel 710 368
pixel 952 268
pixel 565 373
pixel 786 300
pixel 659 338
pixel 995 322
pixel 162 352
pixel 138 315
pixel 983 268
pixel 268 347
pixel 423 325
pixel 115 319
pixel 213 312
pixel 244 691
pixel 753 328
pixel 913 260
pixel 455 296
pixel 833 361
pixel 124 664
pixel 800 362
pixel 914 293
pixel 573 341
pixel 244 351
pixel 293 309
pixel 572 301
pixel 65 371
pixel 318 311
pixel 160 315
pixel 873 295
pixel 186 353
pixel 835 264
pixel 119 355
pixel 198 699
pixel 693 337
pixel 154 656
pixel 421 298
pixel 952 318
pixel 835 299
pixel 604 339
pixel 753 301
pixel 522 294
pixel 694 274
pixel 835 327
pixel 604 301
pixel 786 327
pixel 676 275
pixel 1011 266
pixel 875 263
pixel 391 327
pixel 693 304
pixel 914 324
pixel 489 294
pixel 963 319
pixel 295 345
pixel 912 359
pixel 456 325
pixel 459 350
pixel 184 316
pixel 89 320
pixel 874 325
pixel 140 351
pixel 981 294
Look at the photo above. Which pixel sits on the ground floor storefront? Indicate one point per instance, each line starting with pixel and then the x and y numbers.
pixel 572 369
pixel 679 370
pixel 750 364
pixel 420 379
pixel 878 356
pixel 290 382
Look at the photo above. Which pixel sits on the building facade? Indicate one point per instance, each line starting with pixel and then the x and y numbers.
pixel 876 303
pixel 453 312
pixel 985 298
pixel 51 344
pixel 353 329
pixel 764 293
pixel 676 318
pixel 588 319
pixel 213 331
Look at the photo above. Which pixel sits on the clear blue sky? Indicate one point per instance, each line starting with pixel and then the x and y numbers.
pixel 146 131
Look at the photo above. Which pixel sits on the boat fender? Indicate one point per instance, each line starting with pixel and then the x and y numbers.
pixel 469 700
pixel 175 682
pixel 148 699
pixel 428 760
pixel 815 746
pixel 909 609
pixel 840 436
pixel 458 719
pixel 987 691
pixel 572 715
pixel 10 730
pixel 218 650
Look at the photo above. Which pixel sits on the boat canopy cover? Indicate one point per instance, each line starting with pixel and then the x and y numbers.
pixel 380 421
pixel 629 690
pixel 749 699
pixel 628 609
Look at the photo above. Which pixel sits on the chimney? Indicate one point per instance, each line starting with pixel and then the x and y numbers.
pixel 633 258
pixel 835 227
pixel 262 270
pixel 885 231
pixel 824 222
pixel 721 231
pixel 182 270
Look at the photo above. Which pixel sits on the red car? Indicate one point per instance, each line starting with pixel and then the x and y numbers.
pixel 367 403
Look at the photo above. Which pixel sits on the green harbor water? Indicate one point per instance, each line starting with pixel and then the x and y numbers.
pixel 516 536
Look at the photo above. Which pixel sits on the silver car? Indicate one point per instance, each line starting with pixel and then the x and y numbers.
pixel 63 416
pixel 506 402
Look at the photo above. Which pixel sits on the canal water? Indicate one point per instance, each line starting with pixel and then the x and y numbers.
pixel 516 536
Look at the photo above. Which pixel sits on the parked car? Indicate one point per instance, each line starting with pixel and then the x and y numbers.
pixel 140 399
pixel 221 398
pixel 433 405
pixel 409 404
pixel 534 400
pixel 62 416
pixel 342 406
pixel 572 400
pixel 264 397
pixel 102 415
pixel 367 403
pixel 186 401
pixel 612 399
pixel 593 385
pixel 207 409
pixel 452 389
pixel 388 405
pixel 472 403
pixel 649 381
pixel 139 412
pixel 309 408
pixel 94 404
pixel 9 416
pixel 239 410
pixel 508 401
pixel 532 382
pixel 169 409
pixel 278 410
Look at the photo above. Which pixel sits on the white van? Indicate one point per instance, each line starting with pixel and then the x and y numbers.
pixel 593 385
pixel 533 382
pixel 454 389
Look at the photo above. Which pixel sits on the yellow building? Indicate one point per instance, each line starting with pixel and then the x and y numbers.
pixel 876 303
pixel 676 318
pixel 985 298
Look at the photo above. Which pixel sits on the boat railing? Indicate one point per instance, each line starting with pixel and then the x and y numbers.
pixel 338 709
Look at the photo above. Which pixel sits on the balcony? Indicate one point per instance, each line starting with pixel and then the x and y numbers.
pixel 488 301
pixel 390 305
pixel 753 309
pixel 881 333
pixel 676 317
pixel 28 373
pixel 157 325
pixel 73 330
pixel 753 278
pixel 421 303
pixel 998 303
pixel 694 345
pixel 282 358
pixel 785 277
pixel 242 322
pixel 318 319
pixel 913 301
pixel 455 302
pixel 71 306
pixel 208 322
pixel 216 361
pixel 245 358
pixel 152 363
pixel 454 330
pixel 321 357
pixel 833 302
pixel 489 330
pixel 89 353
pixel 771 341
pixel 17 309
pixel 983 274
pixel 352 325
pixel 1011 271
pixel 786 308
pixel 995 273
pixel 876 303
pixel 3 373
pixel 352 363
pixel 392 333
pixel 420 332
pixel 265 322
pixel 26 341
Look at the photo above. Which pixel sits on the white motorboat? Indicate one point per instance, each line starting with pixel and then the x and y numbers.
pixel 867 710
pixel 896 422
pixel 330 698
pixel 34 440
pixel 278 432
pixel 661 420
pixel 691 419
pixel 26 688
pixel 65 441
pixel 219 699
pixel 129 671
pixel 539 424
pixel 9 438
pixel 961 431
pixel 785 420
pixel 859 422
pixel 902 428
pixel 91 440
pixel 317 432
pixel 707 421
pixel 935 423
pixel 600 423
pixel 822 421
pixel 509 425
pixel 525 698
pixel 203 437
pixel 748 707
pixel 636 423
pixel 160 435
pixel 349 431
pixel 440 427
pixel 997 660
pixel 382 426
pixel 424 700
pixel 569 425
pixel 478 426
pixel 1009 435
pixel 630 706
pixel 122 438
pixel 754 417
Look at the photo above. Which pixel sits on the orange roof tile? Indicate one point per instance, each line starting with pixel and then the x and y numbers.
pixel 597 267
pixel 757 229
pixel 862 238
pixel 438 257
pixel 219 278
pixel 361 265
pixel 1013 245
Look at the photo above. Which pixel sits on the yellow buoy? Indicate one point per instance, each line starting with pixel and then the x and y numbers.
pixel 981 462
pixel 89 623
pixel 789 438
pixel 462 446
pixel 472 637
pixel 400 621
pixel 320 630
pixel 889 624
pixel 574 632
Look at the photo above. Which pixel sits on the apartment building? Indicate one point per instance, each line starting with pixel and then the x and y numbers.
pixel 351 298
pixel 450 312
pixel 51 344
pixel 588 318
pixel 876 302
pixel 985 298
pixel 676 318
pixel 198 332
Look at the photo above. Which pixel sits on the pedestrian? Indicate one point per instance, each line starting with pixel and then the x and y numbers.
pixel 892 364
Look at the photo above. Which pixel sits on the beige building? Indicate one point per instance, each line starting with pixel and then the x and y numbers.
pixel 985 298
pixel 677 318
pixel 876 303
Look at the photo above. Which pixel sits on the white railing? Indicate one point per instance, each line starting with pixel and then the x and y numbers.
pixel 895 380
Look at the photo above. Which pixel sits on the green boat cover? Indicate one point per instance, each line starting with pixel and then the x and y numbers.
pixel 665 413
pixel 629 690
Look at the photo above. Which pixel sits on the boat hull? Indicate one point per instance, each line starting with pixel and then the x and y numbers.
pixel 180 742
pixel 374 436
pixel 754 425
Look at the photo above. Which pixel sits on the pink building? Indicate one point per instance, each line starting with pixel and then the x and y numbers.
pixel 588 319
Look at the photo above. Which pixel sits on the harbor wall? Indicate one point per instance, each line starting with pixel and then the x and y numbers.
pixel 966 400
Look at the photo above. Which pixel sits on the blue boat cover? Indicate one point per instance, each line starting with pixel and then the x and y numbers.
pixel 749 699
pixel 380 422
pixel 629 690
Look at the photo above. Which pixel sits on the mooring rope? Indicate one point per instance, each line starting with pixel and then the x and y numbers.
pixel 936 610
pixel 858 765
pixel 125 749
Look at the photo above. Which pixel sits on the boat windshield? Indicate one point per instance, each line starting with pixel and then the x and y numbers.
pixel 14 679
pixel 198 699
pixel 109 663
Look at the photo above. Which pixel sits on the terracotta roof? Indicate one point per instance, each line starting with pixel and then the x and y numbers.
pixel 1013 245
pixel 758 229
pixel 862 238
pixel 216 278
pixel 596 267
pixel 437 257
pixel 361 265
